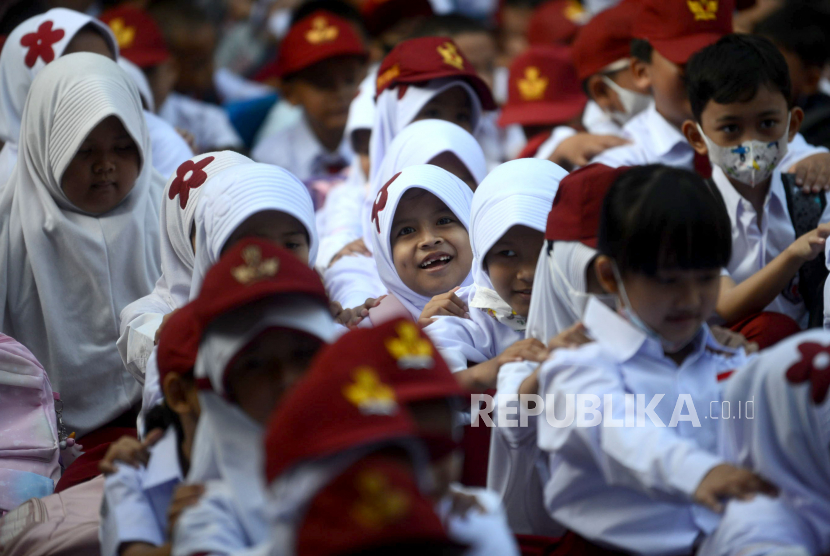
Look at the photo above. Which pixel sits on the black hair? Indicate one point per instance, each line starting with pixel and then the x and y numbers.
pixel 336 7
pixel 19 11
pixel 733 69
pixel 657 217
pixel 799 27
pixel 449 26
pixel 641 49
pixel 162 417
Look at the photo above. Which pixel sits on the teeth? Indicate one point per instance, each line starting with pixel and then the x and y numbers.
pixel 442 258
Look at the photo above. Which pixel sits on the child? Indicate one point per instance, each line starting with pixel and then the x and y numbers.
pixel 420 240
pixel 666 35
pixel 320 66
pixel 80 233
pixel 509 213
pixel 264 314
pixel 744 122
pixel 784 438
pixel 663 238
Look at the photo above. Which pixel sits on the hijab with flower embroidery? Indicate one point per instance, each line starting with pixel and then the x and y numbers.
pixel 68 274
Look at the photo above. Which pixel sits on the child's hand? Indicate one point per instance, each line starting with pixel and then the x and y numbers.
pixel 164 320
pixel 129 450
pixel 812 173
pixel 569 338
pixel 727 481
pixel 810 245
pixel 529 349
pixel 357 247
pixel 730 339
pixel 184 497
pixel 579 149
pixel 463 503
pixel 445 304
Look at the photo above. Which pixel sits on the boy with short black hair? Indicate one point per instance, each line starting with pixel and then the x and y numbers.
pixel 739 91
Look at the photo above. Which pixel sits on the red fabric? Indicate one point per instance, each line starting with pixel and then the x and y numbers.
pixel 569 544
pixel 605 39
pixel 380 201
pixel 189 175
pixel 380 15
pixel 702 166
pixel 426 58
pixel 536 545
pixel 543 88
pixel 556 22
pixel 805 370
pixel 766 328
pixel 532 146
pixel 578 202
pixel 678 29
pixel 476 446
pixel 139 37
pixel 178 343
pixel 40 43
pixel 95 446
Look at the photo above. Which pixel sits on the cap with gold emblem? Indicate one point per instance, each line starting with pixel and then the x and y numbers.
pixel 543 89
pixel 139 37
pixel 426 58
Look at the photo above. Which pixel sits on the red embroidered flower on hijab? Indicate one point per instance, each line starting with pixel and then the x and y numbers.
pixel 815 367
pixel 380 201
pixel 40 43
pixel 189 175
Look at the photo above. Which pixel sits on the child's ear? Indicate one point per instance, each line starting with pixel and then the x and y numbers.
pixel 604 268
pixel 599 91
pixel 175 389
pixel 642 75
pixel 694 137
pixel 796 117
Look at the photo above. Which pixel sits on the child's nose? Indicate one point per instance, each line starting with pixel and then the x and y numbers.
pixel 103 163
pixel 429 238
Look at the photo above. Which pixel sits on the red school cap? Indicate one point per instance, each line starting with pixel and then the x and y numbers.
pixel 679 28
pixel 543 88
pixel 178 343
pixel 576 208
pixel 319 36
pixel 426 58
pixel 605 39
pixel 139 37
pixel 556 22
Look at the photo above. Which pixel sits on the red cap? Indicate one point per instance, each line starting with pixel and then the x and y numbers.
pixel 380 15
pixel 138 35
pixel 556 22
pixel 543 88
pixel 178 343
pixel 251 270
pixel 578 203
pixel 677 29
pixel 374 504
pixel 344 401
pixel 317 37
pixel 422 59
pixel 605 39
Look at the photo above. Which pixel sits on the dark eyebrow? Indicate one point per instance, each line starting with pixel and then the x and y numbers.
pixel 727 118
pixel 294 233
pixel 771 112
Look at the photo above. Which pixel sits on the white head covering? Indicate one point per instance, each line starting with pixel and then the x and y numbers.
pixel 238 193
pixel 361 116
pixel 68 274
pixel 450 190
pixel 140 81
pixel 788 438
pixel 393 114
pixel 419 143
pixel 16 75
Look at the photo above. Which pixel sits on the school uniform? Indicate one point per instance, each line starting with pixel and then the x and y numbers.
pixel 136 500
pixel 485 533
pixel 209 123
pixel 631 487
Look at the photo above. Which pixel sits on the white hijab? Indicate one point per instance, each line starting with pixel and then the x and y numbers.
pixel 450 190
pixel 68 274
pixel 519 192
pixel 238 193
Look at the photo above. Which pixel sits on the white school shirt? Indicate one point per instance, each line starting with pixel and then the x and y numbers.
pixel 593 119
pixel 487 533
pixel 753 248
pixel 209 123
pixel 632 487
pixel 298 150
pixel 136 500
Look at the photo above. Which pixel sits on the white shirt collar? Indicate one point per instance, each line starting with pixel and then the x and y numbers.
pixel 664 136
pixel 732 199
pixel 163 466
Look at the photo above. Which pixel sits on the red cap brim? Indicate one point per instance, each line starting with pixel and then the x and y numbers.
pixel 679 50
pixel 543 113
pixel 147 58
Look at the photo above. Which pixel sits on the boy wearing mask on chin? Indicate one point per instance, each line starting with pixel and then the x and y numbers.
pixel 744 121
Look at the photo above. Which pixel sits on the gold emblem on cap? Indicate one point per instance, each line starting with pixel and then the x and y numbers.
pixel 124 35
pixel 388 75
pixel 254 269
pixel 409 349
pixel 450 54
pixel 380 504
pixel 369 394
pixel 703 10
pixel 321 31
pixel 533 85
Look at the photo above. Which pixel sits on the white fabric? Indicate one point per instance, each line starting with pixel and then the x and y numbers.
pixel 787 440
pixel 631 487
pixel 559 134
pixel 450 190
pixel 8 158
pixel 599 122
pixel 141 82
pixel 169 148
pixel 208 123
pixel 281 115
pixel 486 533
pixel 68 274
pixel 499 144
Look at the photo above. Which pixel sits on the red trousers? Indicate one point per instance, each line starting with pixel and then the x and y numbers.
pixel 766 328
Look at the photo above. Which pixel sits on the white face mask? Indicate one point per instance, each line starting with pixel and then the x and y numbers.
pixel 751 162
pixel 633 102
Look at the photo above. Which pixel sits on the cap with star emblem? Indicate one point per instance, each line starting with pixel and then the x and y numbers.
pixel 604 43
pixel 543 88
pixel 426 58
pixel 139 37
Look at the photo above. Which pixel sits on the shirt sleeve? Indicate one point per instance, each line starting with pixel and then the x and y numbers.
pixel 126 513
pixel 510 380
pixel 649 459
pixel 210 528
pixel 798 150
pixel 353 279
pixel 461 340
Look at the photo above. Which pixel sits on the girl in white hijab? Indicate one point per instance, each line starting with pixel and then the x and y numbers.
pixel 79 237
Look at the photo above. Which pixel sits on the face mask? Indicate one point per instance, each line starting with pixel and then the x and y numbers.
pixel 632 317
pixel 632 102
pixel 577 300
pixel 751 162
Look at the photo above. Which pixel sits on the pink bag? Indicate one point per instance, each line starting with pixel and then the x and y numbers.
pixel 389 308
pixel 29 449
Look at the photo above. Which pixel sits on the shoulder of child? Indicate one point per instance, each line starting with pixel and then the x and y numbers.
pixel 588 355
